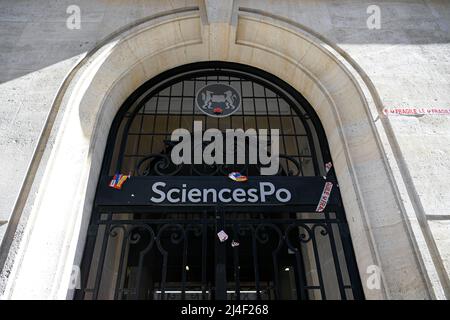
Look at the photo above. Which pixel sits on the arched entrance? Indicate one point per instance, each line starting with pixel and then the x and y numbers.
pixel 280 248
pixel 385 234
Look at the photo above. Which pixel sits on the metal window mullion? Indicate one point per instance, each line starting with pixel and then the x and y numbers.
pixel 296 140
pixel 183 266
pixel 168 112
pixel 154 122
pixel 283 137
pixel 102 257
pixel 204 252
pixel 236 262
pixel 139 135
pixel 256 264
pixel 318 267
pixel 337 264
pixel 192 126
pixel 350 259
pixel 121 274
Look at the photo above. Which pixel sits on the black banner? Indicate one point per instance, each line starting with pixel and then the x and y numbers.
pixel 209 191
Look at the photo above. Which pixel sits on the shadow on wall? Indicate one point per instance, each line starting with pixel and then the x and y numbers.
pixel 34 34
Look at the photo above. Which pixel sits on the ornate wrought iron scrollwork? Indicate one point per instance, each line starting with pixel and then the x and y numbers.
pixel 157 164
pixel 113 230
pixel 293 163
pixel 205 170
pixel 262 235
pixel 196 229
pixel 175 237
pixel 304 235
pixel 324 229
pixel 162 165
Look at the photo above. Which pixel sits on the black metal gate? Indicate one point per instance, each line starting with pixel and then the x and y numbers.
pixel 138 250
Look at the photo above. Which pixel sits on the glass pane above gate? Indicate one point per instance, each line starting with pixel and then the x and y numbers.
pixel 143 142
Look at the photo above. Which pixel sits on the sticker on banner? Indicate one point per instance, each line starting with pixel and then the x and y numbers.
pixel 222 236
pixel 325 196
pixel 118 180
pixel 237 176
pixel 234 244
pixel 328 166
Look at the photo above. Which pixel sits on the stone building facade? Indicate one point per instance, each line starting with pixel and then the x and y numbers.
pixel 62 85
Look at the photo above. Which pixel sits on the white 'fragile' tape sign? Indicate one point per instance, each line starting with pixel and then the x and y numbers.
pixel 325 196
pixel 416 111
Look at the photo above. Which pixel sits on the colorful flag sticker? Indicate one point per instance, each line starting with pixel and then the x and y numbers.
pixel 237 176
pixel 118 180
pixel 325 196
pixel 222 236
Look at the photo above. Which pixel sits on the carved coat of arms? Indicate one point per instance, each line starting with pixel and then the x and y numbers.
pixel 218 100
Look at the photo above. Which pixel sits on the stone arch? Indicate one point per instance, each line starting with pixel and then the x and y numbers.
pixel 53 243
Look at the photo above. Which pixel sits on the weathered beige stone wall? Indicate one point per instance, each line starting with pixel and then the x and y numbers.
pixel 407 60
